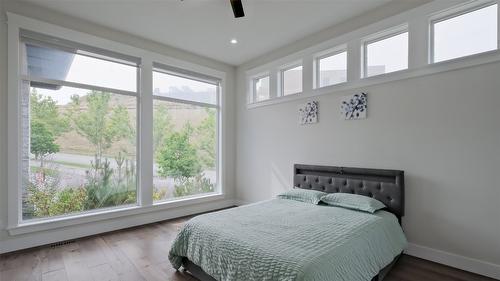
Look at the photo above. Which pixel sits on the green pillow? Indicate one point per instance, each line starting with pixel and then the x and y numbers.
pixel 353 201
pixel 303 195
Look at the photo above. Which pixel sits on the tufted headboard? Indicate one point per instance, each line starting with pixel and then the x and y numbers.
pixel 386 186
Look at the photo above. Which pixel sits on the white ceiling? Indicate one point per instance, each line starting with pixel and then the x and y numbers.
pixel 205 27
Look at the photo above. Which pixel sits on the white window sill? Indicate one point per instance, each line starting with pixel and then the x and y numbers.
pixel 64 221
pixel 429 69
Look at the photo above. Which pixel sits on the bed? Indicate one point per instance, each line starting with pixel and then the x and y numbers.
pixel 282 239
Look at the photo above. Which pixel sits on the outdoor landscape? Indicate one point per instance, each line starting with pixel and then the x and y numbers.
pixel 82 152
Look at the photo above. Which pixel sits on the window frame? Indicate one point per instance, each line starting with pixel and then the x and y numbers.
pixel 380 36
pixel 454 12
pixel 416 21
pixel 106 55
pixel 144 205
pixel 161 68
pixel 254 80
pixel 281 75
pixel 326 54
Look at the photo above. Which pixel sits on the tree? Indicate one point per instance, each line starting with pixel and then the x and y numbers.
pixel 44 111
pixel 98 125
pixel 206 136
pixel 178 157
pixel 162 124
pixel 42 141
pixel 46 125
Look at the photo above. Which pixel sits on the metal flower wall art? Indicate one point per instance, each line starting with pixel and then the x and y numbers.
pixel 308 113
pixel 354 107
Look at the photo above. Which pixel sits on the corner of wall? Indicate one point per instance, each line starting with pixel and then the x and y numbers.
pixel 3 117
pixel 33 11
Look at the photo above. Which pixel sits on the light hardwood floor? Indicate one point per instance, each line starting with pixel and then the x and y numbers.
pixel 141 254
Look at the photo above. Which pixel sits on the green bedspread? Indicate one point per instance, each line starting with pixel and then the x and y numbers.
pixel 283 239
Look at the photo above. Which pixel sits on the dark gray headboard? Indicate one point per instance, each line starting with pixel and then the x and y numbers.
pixel 387 186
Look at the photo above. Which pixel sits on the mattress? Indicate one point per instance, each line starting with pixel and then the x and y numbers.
pixel 288 240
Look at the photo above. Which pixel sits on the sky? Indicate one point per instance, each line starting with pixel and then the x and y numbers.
pixel 97 72
pixel 467 34
pixel 335 62
pixel 391 52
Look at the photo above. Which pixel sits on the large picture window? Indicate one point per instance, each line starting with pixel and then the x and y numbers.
pixel 78 127
pixel 185 134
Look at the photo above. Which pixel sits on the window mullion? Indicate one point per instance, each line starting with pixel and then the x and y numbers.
pixel 145 138
pixel 78 85
pixel 498 25
pixel 418 43
pixel 354 62
pixel 163 98
pixel 14 178
pixel 307 68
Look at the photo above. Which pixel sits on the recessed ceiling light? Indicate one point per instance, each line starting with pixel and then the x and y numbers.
pixel 234 41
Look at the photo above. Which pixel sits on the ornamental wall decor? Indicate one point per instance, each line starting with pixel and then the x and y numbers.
pixel 308 113
pixel 354 106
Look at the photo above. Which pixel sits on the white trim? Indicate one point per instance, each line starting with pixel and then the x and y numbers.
pixel 468 264
pixel 190 102
pixel 182 73
pixel 79 85
pixel 464 263
pixel 460 9
pixel 110 213
pixel 110 224
pixel 218 140
pixel 145 115
pixel 14 129
pixel 239 203
pixel 460 63
pixel 417 22
pixel 385 34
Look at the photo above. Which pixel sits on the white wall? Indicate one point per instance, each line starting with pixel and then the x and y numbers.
pixel 8 243
pixel 443 130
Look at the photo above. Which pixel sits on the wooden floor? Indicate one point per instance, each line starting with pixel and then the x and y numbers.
pixel 142 254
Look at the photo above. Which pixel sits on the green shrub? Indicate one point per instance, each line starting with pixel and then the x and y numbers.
pixel 177 158
pixel 159 194
pixel 46 200
pixel 195 185
pixel 68 201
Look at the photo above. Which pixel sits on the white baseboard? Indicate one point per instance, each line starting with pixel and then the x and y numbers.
pixel 238 202
pixel 468 264
pixel 25 241
pixel 464 263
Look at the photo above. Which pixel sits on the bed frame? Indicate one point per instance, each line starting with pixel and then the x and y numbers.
pixel 386 186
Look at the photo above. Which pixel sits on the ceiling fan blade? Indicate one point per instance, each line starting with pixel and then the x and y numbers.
pixel 237 8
